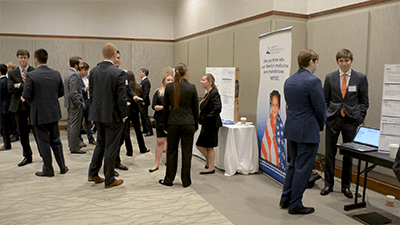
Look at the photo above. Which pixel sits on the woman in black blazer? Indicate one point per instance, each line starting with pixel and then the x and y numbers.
pixel 181 110
pixel 210 108
pixel 157 105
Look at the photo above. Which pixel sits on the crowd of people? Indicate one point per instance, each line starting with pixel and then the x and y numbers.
pixel 108 99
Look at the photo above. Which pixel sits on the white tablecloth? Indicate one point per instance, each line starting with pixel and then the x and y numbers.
pixel 237 149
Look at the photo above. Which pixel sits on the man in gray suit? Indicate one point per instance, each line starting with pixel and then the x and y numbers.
pixel 73 101
pixel 346 97
pixel 43 87
pixel 107 91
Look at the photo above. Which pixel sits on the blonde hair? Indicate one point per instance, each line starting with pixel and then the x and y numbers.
pixel 11 65
pixel 109 49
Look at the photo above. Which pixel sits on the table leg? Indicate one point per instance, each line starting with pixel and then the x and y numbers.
pixel 356 205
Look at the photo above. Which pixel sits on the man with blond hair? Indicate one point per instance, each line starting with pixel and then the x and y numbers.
pixel 108 99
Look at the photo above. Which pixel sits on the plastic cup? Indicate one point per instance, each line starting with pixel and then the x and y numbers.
pixel 243 120
pixel 390 200
pixel 393 150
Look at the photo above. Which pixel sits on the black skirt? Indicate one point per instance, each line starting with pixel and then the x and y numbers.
pixel 208 137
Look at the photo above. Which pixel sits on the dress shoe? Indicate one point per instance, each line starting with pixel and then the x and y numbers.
pixel 149 134
pixel 82 145
pixel 207 172
pixel 93 143
pixel 347 192
pixel 151 170
pixel 284 205
pixel 4 148
pixel 96 179
pixel 326 190
pixel 13 139
pixel 304 210
pixel 64 171
pixel 42 174
pixel 78 152
pixel 148 150
pixel 116 174
pixel 115 183
pixel 121 167
pixel 25 161
pixel 162 182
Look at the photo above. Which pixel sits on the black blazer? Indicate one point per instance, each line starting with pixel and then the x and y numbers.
pixel 14 77
pixel 5 96
pixel 107 93
pixel 43 87
pixel 355 103
pixel 188 111
pixel 145 85
pixel 210 108
pixel 157 100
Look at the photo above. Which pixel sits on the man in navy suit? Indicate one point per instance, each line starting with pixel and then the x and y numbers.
pixel 346 97
pixel 306 114
pixel 18 105
pixel 109 110
pixel 43 87
pixel 6 121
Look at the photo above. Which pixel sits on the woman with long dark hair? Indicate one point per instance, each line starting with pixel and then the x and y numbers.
pixel 133 117
pixel 181 111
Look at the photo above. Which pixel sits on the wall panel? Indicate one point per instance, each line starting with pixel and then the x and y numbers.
pixel 181 50
pixel 197 61
pixel 246 56
pixel 221 47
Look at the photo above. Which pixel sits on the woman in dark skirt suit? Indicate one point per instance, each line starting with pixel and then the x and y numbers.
pixel 210 108
pixel 157 105
pixel 181 111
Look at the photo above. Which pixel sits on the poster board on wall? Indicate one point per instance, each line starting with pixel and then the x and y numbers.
pixel 227 80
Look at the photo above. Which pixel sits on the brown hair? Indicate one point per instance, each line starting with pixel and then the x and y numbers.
pixel 305 56
pixel 136 87
pixel 180 71
pixel 344 53
pixel 210 78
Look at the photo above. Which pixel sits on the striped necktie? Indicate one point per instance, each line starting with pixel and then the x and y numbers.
pixel 23 75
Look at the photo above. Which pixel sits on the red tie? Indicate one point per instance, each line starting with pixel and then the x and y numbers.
pixel 23 75
pixel 344 87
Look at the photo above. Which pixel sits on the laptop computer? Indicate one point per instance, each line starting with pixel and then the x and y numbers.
pixel 366 140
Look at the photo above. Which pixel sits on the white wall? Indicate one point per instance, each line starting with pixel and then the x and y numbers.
pixel 193 16
pixel 129 19
pixel 154 19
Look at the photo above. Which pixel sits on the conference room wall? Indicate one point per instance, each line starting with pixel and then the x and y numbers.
pixel 372 35
pixel 134 55
pixel 238 46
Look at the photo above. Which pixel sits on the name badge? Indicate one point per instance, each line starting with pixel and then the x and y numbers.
pixel 126 82
pixel 352 88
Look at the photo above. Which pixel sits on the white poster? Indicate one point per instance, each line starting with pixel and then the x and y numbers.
pixel 225 82
pixel 390 119
pixel 275 59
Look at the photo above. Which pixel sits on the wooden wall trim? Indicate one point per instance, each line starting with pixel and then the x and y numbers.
pixel 245 20
pixel 372 184
pixel 84 37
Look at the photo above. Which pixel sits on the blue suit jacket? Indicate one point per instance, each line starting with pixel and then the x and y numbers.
pixel 306 110
pixel 43 87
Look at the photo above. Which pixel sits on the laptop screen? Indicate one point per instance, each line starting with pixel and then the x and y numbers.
pixel 369 136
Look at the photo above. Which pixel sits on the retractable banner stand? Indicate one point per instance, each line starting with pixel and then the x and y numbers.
pixel 275 58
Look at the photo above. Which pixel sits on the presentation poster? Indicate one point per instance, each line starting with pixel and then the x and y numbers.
pixel 226 80
pixel 390 119
pixel 275 59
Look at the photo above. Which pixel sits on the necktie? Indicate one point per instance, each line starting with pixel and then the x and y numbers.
pixel 344 87
pixel 23 75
